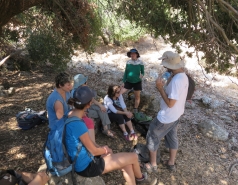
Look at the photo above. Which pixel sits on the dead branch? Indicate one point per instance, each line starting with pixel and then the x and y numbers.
pixel 11 55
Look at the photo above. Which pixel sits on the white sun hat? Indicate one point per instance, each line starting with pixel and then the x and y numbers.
pixel 172 60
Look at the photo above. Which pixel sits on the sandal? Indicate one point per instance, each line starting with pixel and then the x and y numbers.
pixel 169 167
pixel 109 133
pixel 133 137
pixel 149 169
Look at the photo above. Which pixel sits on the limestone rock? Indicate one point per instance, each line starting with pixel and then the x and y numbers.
pixel 212 130
pixel 67 179
pixel 206 100
pixel 189 105
pixel 211 103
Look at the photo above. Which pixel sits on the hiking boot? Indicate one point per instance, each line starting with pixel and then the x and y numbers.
pixel 146 180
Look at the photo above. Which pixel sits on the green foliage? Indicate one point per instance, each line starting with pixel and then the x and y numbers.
pixel 116 25
pixel 49 47
pixel 187 20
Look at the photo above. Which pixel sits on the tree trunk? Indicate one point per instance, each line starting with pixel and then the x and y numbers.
pixel 10 8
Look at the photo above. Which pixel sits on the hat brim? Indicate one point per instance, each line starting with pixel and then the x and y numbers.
pixel 174 67
pixel 76 85
pixel 129 54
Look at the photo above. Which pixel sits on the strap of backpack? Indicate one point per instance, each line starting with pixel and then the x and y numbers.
pixel 79 148
pixel 115 105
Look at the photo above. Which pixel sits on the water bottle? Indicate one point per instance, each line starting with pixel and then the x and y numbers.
pixel 165 76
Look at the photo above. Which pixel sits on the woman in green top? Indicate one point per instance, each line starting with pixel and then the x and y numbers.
pixel 133 75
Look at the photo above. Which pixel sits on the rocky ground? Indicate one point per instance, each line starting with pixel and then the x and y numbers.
pixel 208 131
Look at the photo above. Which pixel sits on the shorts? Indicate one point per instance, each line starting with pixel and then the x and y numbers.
pixel 88 122
pixel 118 118
pixel 158 130
pixel 94 168
pixel 136 86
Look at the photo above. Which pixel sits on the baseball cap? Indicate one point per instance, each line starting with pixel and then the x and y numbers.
pixel 83 95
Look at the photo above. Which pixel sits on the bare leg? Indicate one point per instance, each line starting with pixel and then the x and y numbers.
pixel 120 161
pixel 27 177
pixel 172 156
pixel 137 99
pixel 153 157
pixel 129 124
pixel 123 128
pixel 41 178
pixel 128 175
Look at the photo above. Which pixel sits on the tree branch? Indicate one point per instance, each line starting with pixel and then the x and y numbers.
pixel 11 55
pixel 217 26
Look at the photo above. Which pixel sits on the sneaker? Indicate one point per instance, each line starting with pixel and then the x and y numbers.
pixel 146 180
pixel 133 137
pixel 127 137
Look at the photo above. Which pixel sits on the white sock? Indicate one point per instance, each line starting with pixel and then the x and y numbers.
pixel 132 131
pixel 125 133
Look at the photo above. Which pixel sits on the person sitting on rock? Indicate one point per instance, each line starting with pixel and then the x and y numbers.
pixel 92 160
pixel 118 112
pixel 56 104
pixel 172 106
pixel 97 110
pixel 133 75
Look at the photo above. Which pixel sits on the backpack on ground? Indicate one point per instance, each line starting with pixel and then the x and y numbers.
pixel 10 177
pixel 54 150
pixel 143 153
pixel 141 122
pixel 29 118
pixel 191 87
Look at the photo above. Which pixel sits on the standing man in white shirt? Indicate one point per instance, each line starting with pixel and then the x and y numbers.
pixel 172 106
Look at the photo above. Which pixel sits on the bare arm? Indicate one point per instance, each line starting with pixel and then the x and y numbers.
pixel 87 142
pixel 103 109
pixel 170 102
pixel 92 136
pixel 59 109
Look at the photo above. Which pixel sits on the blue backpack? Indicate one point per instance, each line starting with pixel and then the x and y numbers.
pixel 54 150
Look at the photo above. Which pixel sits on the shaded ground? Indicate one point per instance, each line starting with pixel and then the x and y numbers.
pixel 200 160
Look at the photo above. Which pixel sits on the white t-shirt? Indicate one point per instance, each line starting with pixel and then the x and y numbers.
pixel 109 104
pixel 177 89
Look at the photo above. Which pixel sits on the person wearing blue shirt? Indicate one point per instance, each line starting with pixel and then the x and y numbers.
pixel 93 160
pixel 56 104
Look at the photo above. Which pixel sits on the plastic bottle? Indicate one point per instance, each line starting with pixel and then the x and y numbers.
pixel 165 76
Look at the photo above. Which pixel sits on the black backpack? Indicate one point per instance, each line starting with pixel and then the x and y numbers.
pixel 29 118
pixel 143 153
pixel 191 87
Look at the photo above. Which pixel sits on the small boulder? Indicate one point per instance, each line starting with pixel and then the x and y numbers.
pixel 190 105
pixel 206 100
pixel 212 130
